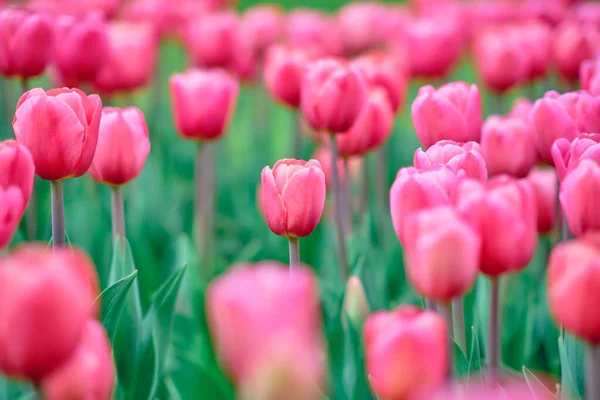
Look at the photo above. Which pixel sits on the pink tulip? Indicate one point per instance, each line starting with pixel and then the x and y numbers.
pixel 537 38
pixel 589 76
pixel 462 158
pixel 211 39
pixel 323 155
pixel 203 103
pixel 81 48
pixel 434 235
pixel 293 196
pixel 545 188
pixel 521 109
pixel 283 73
pixel 131 60
pixel 46 302
pixel 257 337
pixel 574 43
pixel 89 373
pixel 507 146
pixel 263 25
pixel 104 8
pixel 452 112
pixel 585 13
pixel 308 28
pixel 578 192
pixel 360 25
pixel 123 146
pixel 26 41
pixel 503 213
pixel 60 129
pixel 333 95
pixel 169 17
pixel 12 205
pixel 567 155
pixel 573 282
pixel 16 168
pixel 513 389
pixel 406 352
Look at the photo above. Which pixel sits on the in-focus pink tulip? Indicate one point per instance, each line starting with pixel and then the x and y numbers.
pixel 283 73
pixel 26 41
pixel 211 39
pixel 507 146
pixel 566 116
pixel 406 352
pixel 293 196
pixel 545 188
pixel 123 146
pixel 131 59
pixel 589 76
pixel 89 373
pixel 574 43
pixel 60 129
pixel 263 25
pixel 46 303
pixel 81 47
pixel 307 28
pixel 451 112
pixel 203 103
pixel 16 168
pixel 332 95
pixel 442 253
pixel 578 193
pixel 503 213
pixel 462 158
pixel 256 337
pixel 567 155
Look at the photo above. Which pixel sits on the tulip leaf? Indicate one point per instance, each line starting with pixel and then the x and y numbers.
pixel 113 300
pixel 475 353
pixel 460 363
pixel 571 353
pixel 191 377
pixel 538 389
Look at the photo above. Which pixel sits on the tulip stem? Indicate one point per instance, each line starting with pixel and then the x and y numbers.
pixel 592 373
pixel 364 188
pixel 430 305
pixel 494 350
pixel 294 252
pixel 381 190
pixel 118 214
pixel 205 192
pixel 338 200
pixel 458 324
pixel 445 311
pixel 297 132
pixel 58 214
pixel 347 198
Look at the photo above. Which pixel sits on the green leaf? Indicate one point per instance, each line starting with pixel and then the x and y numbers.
pixel 571 353
pixel 475 354
pixel 460 364
pixel 538 389
pixel 113 300
pixel 190 377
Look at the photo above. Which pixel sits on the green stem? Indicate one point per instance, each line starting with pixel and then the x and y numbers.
pixel 58 214
pixel 338 209
pixel 205 193
pixel 445 310
pixel 458 323
pixel 592 373
pixel 294 244
pixel 118 214
pixel 494 349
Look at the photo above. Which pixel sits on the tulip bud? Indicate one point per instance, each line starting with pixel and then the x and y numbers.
pixel 203 103
pixel 293 196
pixel 566 116
pixel 545 187
pixel 452 112
pixel 503 213
pixel 46 302
pixel 567 155
pixel 356 306
pixel 507 146
pixel 283 74
pixel 89 373
pixel 406 353
pixel 333 96
pixel 26 41
pixel 12 206
pixel 308 28
pixel 578 194
pixel 573 43
pixel 60 129
pixel 589 76
pixel 263 24
pixel 123 146
pixel 16 168
pixel 462 158
pixel 211 39
pixel 537 38
pixel 521 109
pixel 360 25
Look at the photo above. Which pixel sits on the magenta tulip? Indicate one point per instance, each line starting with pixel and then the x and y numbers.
pixel 545 188
pixel 283 73
pixel 567 155
pixel 578 192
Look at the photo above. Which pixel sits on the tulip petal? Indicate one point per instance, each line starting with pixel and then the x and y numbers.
pixel 304 199
pixel 272 203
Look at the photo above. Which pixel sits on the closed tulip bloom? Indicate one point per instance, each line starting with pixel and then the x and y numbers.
pixel 46 303
pixel 451 112
pixel 574 43
pixel 462 158
pixel 60 129
pixel 16 168
pixel 507 146
pixel 406 353
pixel 263 24
pixel 89 373
pixel 567 155
pixel 537 38
pixel 211 39
pixel 26 41
pixel 203 103
pixel 82 47
pixel 293 196
pixel 442 254
pixel 589 76
pixel 333 95
pixel 123 146
pixel 12 206
pixel 356 306
pixel 360 24
pixel 521 108
pixel 578 192
pixel 503 213
pixel 306 28
pixel 566 116
pixel 283 73
pixel 545 189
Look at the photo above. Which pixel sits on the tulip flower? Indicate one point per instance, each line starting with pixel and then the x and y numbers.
pixel 578 192
pixel 567 155
pixel 574 43
pixel 508 388
pixel 26 41
pixel 46 302
pixel 566 116
pixel 406 352
pixel 356 306
pixel 89 373
pixel 360 25
pixel 283 73
pixel 545 188
pixel 521 109
pixel 537 38
pixel 211 39
pixel 462 158
pixel 589 76
pixel 12 205
pixel 323 156
pixel 263 25
pixel 507 146
pixel 311 28
pixel 452 112
pixel 257 337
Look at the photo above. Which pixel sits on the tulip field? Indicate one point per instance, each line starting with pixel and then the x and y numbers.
pixel 201 199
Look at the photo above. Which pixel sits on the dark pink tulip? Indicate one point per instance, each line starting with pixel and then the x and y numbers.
pixel 211 39
pixel 578 192
pixel 503 212
pixel 566 116
pixel 545 188
pixel 46 302
pixel 263 26
pixel 16 168
pixel 203 103
pixel 26 41
pixel 81 47
pixel 574 43
pixel 293 196
pixel 308 28
pixel 60 129
pixel 452 112
pixel 406 352
pixel 332 95
pixel 507 146
pixel 567 155
pixel 589 76
pixel 461 158
pixel 131 59
pixel 283 73
pixel 89 373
